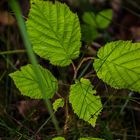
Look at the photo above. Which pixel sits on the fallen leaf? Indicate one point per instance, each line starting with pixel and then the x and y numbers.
pixel 6 18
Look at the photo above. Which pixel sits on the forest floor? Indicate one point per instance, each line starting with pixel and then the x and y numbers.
pixel 21 117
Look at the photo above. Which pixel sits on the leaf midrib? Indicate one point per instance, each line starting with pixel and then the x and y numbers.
pixel 110 62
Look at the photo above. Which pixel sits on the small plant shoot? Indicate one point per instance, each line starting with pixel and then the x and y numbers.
pixel 55 34
pixel 58 103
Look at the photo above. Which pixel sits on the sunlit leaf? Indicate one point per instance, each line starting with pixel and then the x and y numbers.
pixel 58 103
pixel 54 32
pixel 84 101
pixel 118 64
pixel 26 81
pixel 58 138
pixel 88 138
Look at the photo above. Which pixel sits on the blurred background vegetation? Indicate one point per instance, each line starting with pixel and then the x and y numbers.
pixel 21 117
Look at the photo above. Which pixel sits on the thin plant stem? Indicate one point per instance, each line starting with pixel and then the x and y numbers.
pixel 85 59
pixel 2 75
pixel 9 62
pixel 66 126
pixel 12 52
pixel 126 102
pixel 3 124
pixel 79 66
pixel 85 69
pixel 75 71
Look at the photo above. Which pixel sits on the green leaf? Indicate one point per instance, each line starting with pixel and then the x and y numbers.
pixel 54 32
pixel 84 101
pixel 58 138
pixel 26 81
pixel 89 33
pixel 118 64
pixel 89 18
pixel 34 1
pixel 58 103
pixel 88 138
pixel 104 18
